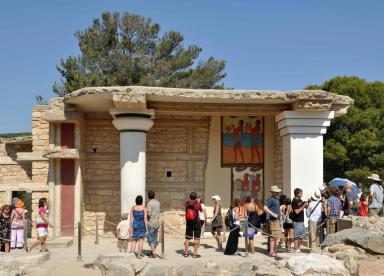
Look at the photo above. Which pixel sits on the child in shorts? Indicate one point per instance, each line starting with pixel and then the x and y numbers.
pixel 122 233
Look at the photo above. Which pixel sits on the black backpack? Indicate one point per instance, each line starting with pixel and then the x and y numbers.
pixel 229 218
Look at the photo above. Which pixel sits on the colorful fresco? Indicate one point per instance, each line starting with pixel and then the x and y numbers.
pixel 247 181
pixel 242 141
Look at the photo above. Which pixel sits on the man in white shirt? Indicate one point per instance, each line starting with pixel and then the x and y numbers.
pixel 314 214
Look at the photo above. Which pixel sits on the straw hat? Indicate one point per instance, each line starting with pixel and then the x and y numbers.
pixel 19 204
pixel 374 177
pixel 216 197
pixel 275 189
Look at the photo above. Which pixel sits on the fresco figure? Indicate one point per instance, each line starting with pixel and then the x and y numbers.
pixel 255 184
pixel 257 141
pixel 244 186
pixel 237 131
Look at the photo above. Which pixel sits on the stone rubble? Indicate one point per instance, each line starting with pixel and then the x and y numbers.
pixel 312 264
pixel 11 265
pixel 366 239
pixel 371 223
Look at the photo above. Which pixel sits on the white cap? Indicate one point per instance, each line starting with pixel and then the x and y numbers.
pixel 216 197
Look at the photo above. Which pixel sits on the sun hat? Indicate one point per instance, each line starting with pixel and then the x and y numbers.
pixel 275 189
pixel 316 195
pixel 216 197
pixel 374 177
pixel 19 204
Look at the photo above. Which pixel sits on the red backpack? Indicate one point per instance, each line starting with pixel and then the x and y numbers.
pixel 191 212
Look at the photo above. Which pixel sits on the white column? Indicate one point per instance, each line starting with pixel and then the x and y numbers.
pixel 133 133
pixel 302 133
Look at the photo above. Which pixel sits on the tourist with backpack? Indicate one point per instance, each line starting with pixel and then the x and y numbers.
pixel 193 228
pixel 232 220
pixel 17 225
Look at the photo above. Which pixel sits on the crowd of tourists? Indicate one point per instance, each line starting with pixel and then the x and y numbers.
pixel 282 217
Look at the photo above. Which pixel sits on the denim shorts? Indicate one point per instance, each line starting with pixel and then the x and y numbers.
pixel 299 230
pixel 152 237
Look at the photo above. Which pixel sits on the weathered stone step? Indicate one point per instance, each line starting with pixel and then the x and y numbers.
pixel 62 242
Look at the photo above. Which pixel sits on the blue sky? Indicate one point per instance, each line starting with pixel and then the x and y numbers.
pixel 280 45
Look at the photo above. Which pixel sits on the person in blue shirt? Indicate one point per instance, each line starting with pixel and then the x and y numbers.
pixel 272 210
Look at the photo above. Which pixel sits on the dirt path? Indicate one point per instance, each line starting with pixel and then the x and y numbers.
pixel 371 267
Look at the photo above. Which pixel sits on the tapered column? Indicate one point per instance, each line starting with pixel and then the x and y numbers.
pixel 302 134
pixel 133 129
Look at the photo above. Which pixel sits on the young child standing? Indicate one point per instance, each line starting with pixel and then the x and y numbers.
pixel 363 208
pixel 122 233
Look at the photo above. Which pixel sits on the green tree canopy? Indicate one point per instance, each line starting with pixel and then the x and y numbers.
pixel 354 143
pixel 129 49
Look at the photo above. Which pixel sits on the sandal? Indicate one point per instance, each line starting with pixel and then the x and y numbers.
pixel 196 256
pixel 272 255
pixel 186 254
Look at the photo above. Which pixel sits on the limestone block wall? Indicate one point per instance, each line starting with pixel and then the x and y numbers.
pixel 40 136
pixel 177 149
pixel 3 198
pixel 10 170
pixel 101 182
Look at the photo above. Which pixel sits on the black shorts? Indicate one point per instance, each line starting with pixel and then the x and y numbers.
pixel 193 231
pixel 287 226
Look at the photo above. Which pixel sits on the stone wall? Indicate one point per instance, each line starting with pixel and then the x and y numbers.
pixel 102 172
pixel 15 173
pixel 40 135
pixel 177 146
pixel 3 198
pixel 278 158
pixel 174 144
pixel 10 170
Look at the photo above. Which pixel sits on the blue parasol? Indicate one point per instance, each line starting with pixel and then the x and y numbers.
pixel 340 182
